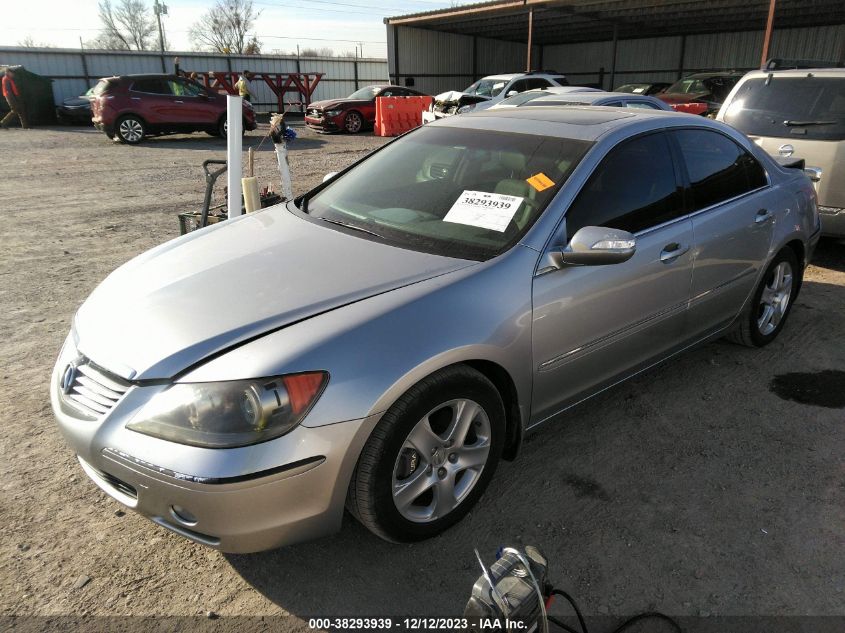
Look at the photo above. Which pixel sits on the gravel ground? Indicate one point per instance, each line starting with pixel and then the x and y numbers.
pixel 694 489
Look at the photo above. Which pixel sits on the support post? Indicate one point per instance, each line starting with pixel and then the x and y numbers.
pixel 613 60
pixel 767 38
pixel 474 58
pixel 530 39
pixel 234 149
pixel 681 56
pixel 355 66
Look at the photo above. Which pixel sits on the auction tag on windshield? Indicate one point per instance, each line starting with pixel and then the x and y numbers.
pixel 540 181
pixel 492 211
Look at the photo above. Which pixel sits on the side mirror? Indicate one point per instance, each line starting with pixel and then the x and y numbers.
pixel 511 93
pixel 598 246
pixel 329 175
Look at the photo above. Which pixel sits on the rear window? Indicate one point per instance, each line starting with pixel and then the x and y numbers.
pixel 101 88
pixel 790 107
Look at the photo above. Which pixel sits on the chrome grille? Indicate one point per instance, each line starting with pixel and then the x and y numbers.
pixel 93 391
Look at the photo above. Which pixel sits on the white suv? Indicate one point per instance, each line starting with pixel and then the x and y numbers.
pixel 489 91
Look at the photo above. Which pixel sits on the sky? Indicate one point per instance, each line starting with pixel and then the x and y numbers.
pixel 337 24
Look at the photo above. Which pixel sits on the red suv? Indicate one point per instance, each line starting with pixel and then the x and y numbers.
pixel 134 106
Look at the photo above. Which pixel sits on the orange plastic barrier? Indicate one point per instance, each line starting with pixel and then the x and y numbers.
pixel 397 115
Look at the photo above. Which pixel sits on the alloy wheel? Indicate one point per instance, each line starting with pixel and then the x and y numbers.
pixel 353 122
pixel 131 130
pixel 774 300
pixel 441 460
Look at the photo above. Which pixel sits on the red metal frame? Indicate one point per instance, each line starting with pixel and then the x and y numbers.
pixel 280 83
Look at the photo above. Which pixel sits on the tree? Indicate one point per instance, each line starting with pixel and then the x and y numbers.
pixel 29 42
pixel 226 27
pixel 127 26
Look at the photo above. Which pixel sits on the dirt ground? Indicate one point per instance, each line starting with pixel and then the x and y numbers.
pixel 694 489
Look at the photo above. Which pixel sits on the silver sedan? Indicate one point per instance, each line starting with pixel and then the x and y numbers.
pixel 380 343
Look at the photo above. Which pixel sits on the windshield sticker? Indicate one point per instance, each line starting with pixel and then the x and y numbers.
pixel 493 211
pixel 540 181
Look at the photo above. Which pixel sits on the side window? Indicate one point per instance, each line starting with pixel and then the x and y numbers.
pixel 537 82
pixel 718 168
pixel 645 105
pixel 633 188
pixel 387 93
pixel 613 104
pixel 152 86
pixel 520 85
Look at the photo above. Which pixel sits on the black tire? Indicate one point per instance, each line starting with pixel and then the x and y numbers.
pixel 222 127
pixel 353 122
pixel 370 497
pixel 748 329
pixel 130 129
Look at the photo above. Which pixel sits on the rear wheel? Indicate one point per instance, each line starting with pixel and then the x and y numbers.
pixel 130 129
pixel 353 122
pixel 764 317
pixel 431 456
pixel 223 128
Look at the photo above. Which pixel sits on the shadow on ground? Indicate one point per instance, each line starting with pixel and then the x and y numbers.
pixel 830 253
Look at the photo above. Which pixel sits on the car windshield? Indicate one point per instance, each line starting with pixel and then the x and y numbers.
pixel 633 88
pixel 486 87
pixel 365 94
pixel 689 85
pixel 456 192
pixel 790 107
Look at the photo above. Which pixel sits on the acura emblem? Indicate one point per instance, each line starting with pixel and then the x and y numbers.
pixel 68 376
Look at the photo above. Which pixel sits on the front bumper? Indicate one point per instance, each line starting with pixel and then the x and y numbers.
pixel 833 221
pixel 238 500
pixel 324 124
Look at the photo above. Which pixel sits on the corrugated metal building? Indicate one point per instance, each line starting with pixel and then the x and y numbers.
pixel 606 42
pixel 73 71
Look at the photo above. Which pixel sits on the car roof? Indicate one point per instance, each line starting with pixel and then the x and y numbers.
pixel 798 72
pixel 586 123
pixel 727 73
pixel 506 77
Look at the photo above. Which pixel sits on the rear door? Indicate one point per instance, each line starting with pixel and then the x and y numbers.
pixel 152 99
pixel 592 325
pixel 733 215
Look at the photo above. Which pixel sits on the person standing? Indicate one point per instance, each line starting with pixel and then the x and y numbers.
pixel 15 101
pixel 243 86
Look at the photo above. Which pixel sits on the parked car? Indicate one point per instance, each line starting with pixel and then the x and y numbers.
pixel 354 113
pixel 76 110
pixel 383 340
pixel 596 98
pixel 528 95
pixel 701 93
pixel 652 88
pixel 132 107
pixel 798 113
pixel 489 91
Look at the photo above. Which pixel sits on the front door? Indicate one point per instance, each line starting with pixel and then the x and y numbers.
pixel 592 325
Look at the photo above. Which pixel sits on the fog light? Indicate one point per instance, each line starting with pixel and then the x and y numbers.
pixel 183 516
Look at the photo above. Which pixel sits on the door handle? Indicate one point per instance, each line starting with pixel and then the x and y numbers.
pixel 671 252
pixel 177 101
pixel 762 216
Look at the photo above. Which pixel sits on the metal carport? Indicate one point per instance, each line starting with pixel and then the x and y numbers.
pixel 646 38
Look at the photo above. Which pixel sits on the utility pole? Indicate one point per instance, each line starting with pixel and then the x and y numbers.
pixel 160 9
pixel 767 37
pixel 361 48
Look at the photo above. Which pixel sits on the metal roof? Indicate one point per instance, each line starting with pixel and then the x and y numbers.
pixel 557 21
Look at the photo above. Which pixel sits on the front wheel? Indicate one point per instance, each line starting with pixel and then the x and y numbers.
pixel 223 128
pixel 130 130
pixel 430 457
pixel 353 122
pixel 765 316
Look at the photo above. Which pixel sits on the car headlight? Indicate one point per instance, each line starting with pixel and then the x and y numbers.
pixel 232 413
pixel 333 112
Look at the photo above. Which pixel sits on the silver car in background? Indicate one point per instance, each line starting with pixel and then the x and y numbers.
pixel 798 114
pixel 381 342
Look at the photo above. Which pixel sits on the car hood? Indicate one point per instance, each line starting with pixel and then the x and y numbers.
pixel 454 96
pixel 328 104
pixel 204 293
